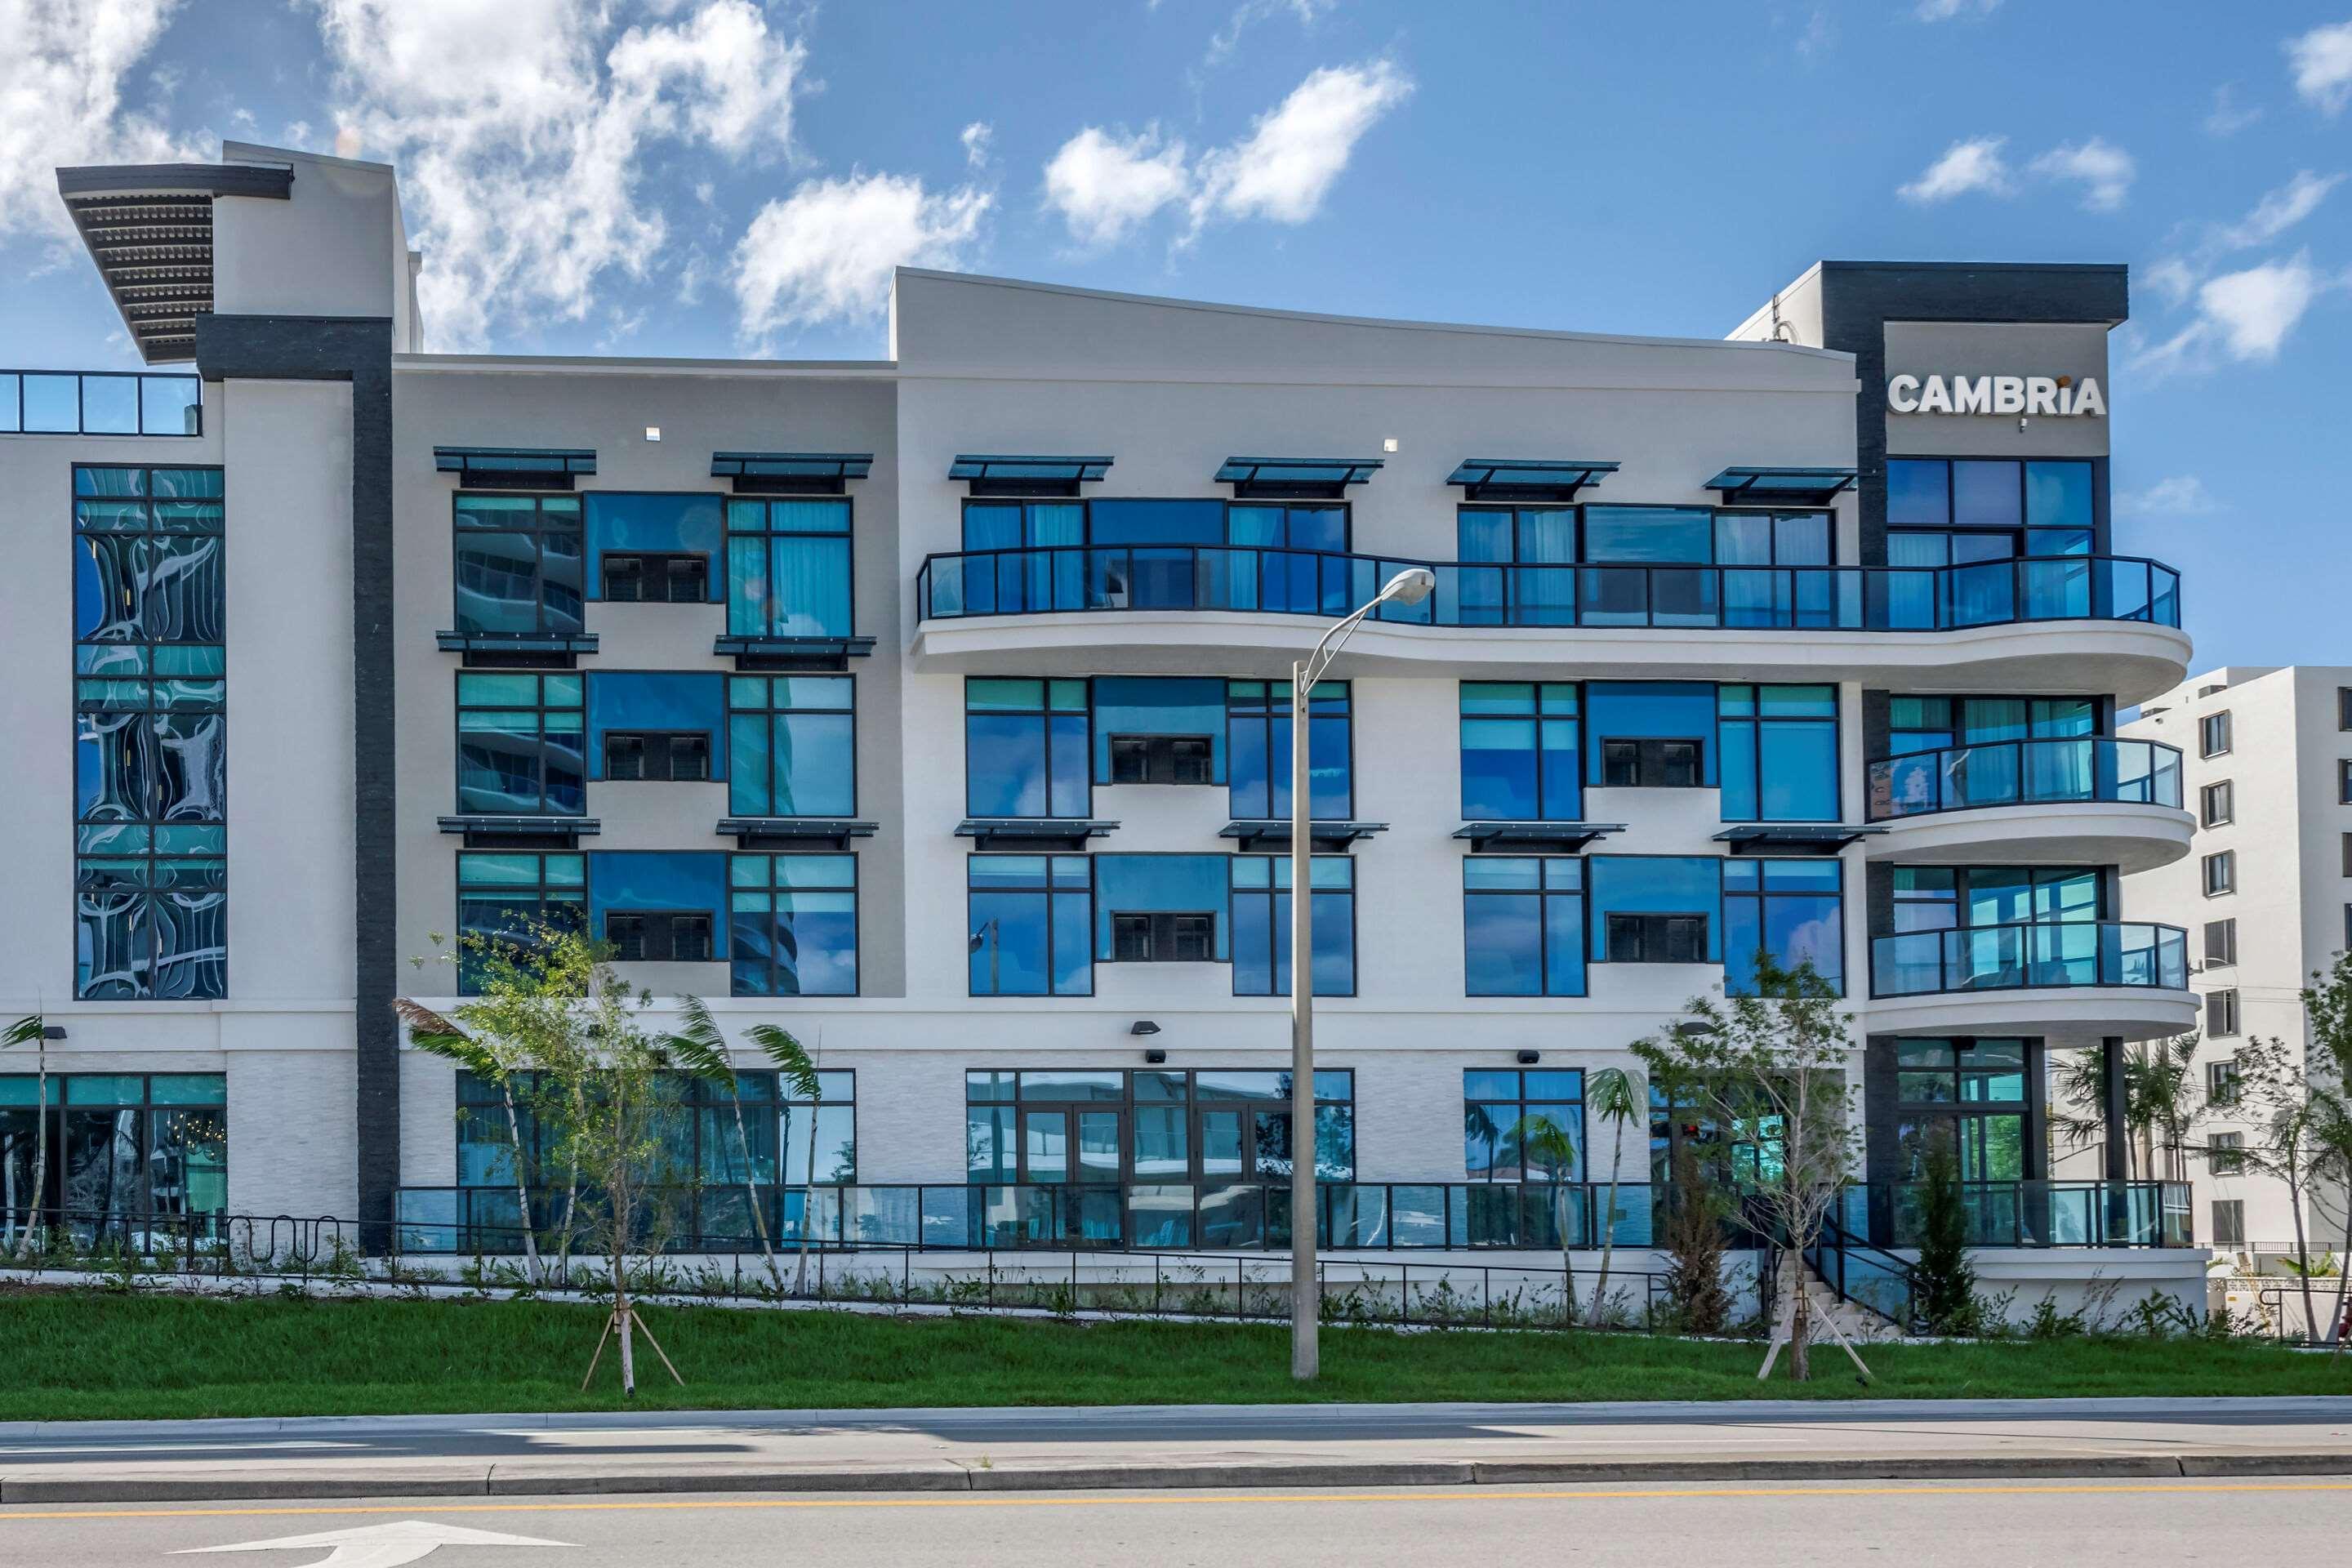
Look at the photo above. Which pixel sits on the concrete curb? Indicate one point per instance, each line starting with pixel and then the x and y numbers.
pixel 490 1480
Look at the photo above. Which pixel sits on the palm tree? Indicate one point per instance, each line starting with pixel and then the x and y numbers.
pixel 430 1032
pixel 800 1081
pixel 33 1030
pixel 701 1049
pixel 1618 1098
pixel 1542 1140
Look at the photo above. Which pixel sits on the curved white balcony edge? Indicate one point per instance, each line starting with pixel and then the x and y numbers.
pixel 2126 835
pixel 2064 1015
pixel 2131 660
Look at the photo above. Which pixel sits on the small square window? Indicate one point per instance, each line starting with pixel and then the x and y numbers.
pixel 2221 869
pixel 2213 734
pixel 2344 706
pixel 2221 941
pixel 1162 938
pixel 2229 1222
pixel 2343 781
pixel 2225 1153
pixel 1652 763
pixel 2222 1015
pixel 2221 1082
pixel 2217 804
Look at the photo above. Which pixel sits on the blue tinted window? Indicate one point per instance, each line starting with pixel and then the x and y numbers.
pixel 505 901
pixel 793 925
pixel 632 525
pixel 1137 706
pixel 1504 1113
pixel 791 745
pixel 1261 925
pixel 642 881
pixel 1523 926
pixel 521 744
pixel 1026 752
pixel 1639 533
pixel 1918 493
pixel 653 702
pixel 1031 922
pixel 518 564
pixel 1654 885
pixel 1792 910
pixel 1987 494
pixel 1779 746
pixel 1520 751
pixel 1258 758
pixel 1161 884
pixel 1316 528
pixel 1649 709
pixel 788 567
pixel 1184 521
pixel 2058 495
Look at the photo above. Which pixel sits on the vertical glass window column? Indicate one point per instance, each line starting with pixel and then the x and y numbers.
pixel 1032 923
pixel 1288 558
pixel 1056 577
pixel 1779 746
pixel 521 744
pixel 151 761
pixel 1261 924
pixel 1502 1109
pixel 791 745
pixel 1518 565
pixel 1794 910
pixel 520 567
pixel 788 567
pixel 1520 751
pixel 1026 749
pixel 506 900
pixel 1974 1091
pixel 794 919
pixel 1522 925
pixel 1976 926
pixel 1258 734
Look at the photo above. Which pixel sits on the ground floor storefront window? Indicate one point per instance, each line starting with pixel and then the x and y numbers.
pixel 123 1148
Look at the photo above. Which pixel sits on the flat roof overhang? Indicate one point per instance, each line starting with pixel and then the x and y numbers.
pixel 148 227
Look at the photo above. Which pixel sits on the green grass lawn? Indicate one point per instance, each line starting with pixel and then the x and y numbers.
pixel 95 1355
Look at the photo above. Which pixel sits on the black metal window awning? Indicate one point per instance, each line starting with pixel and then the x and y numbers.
pixel 1757 486
pixel 989 475
pixel 1803 838
pixel 517 650
pixel 1297 478
pixel 793 832
pixel 491 831
pixel 1258 833
pixel 1532 837
pixel 1033 832
pixel 761 651
pixel 1525 478
pixel 148 227
pixel 515 468
pixel 790 473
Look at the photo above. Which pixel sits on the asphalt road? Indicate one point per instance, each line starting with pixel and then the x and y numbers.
pixel 1760 1525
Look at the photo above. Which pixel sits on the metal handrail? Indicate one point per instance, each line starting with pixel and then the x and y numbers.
pixel 2124 955
pixel 30 401
pixel 1128 578
pixel 2037 772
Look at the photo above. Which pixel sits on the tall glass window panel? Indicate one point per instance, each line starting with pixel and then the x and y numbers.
pixel 1258 750
pixel 791 745
pixel 521 744
pixel 627 522
pixel 1027 749
pixel 1520 761
pixel 1664 534
pixel 1523 926
pixel 1261 924
pixel 1780 752
pixel 1040 574
pixel 1030 919
pixel 795 924
pixel 820 1136
pixel 507 899
pixel 1792 910
pixel 1505 1115
pixel 788 567
pixel 1282 558
pixel 520 567
pixel 1655 908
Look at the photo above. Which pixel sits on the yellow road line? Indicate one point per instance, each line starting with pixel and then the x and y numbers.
pixel 1163 1499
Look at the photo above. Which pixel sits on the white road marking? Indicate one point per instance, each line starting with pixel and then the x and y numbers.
pixel 379 1545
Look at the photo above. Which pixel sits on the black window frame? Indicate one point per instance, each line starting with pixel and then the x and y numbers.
pixel 663 948
pixel 1270 711
pixel 2019 532
pixel 1163 936
pixel 2221 941
pixel 1518 511
pixel 667 750
pixel 1085 540
pixel 1521 1100
pixel 1045 713
pixel 1650 758
pixel 539 897
pixel 540 679
pixel 767 712
pixel 1008 1116
pixel 147 1111
pixel 2222 1017
pixel 1048 892
pixel 2223 1083
pixel 2218 873
pixel 646 563
pixel 538 529
pixel 2210 726
pixel 1277 920
pixel 1162 759
pixel 2225 1153
pixel 723 570
pixel 772 889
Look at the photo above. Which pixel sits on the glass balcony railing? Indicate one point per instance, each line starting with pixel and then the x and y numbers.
pixel 2045 1214
pixel 100 403
pixel 1121 578
pixel 2021 957
pixel 2025 772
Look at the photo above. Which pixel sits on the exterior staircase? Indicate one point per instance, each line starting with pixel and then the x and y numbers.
pixel 1859 1323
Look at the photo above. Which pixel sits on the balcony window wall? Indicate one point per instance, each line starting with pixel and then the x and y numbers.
pixel 1522 925
pixel 1971 1092
pixel 1960 513
pixel 789 567
pixel 1521 761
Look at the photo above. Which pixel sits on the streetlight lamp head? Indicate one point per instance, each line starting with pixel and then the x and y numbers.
pixel 1695 1029
pixel 1411 586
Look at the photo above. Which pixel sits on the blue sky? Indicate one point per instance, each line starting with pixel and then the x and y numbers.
pixel 717 177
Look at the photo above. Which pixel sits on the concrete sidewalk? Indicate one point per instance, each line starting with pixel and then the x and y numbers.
pixel 1186 1445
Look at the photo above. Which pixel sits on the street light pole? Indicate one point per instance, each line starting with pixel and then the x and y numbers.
pixel 1407 587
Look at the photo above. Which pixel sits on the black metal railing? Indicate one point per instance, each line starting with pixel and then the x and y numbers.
pixel 2123 953
pixel 100 403
pixel 2025 772
pixel 2036 1214
pixel 1052 579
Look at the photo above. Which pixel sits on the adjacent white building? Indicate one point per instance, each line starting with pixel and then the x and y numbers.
pixel 932 705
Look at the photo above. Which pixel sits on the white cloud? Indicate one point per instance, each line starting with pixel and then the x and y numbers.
pixel 1819 37
pixel 1296 151
pixel 523 129
pixel 826 253
pixel 2172 278
pixel 2182 495
pixel 1973 165
pixel 976 137
pixel 1104 185
pixel 62 69
pixel 1946 10
pixel 2279 210
pixel 2228 117
pixel 2245 316
pixel 1249 13
pixel 2104 170
pixel 2321 61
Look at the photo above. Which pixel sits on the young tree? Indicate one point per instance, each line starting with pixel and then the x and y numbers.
pixel 1692 1235
pixel 1545 1141
pixel 2275 1096
pixel 2161 1105
pixel 33 1030
pixel 797 1075
pixel 1618 1098
pixel 2328 1074
pixel 1946 1280
pixel 429 1032
pixel 700 1048
pixel 1769 1068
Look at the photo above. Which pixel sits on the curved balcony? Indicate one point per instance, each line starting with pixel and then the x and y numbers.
pixel 2072 981
pixel 2084 799
pixel 2110 624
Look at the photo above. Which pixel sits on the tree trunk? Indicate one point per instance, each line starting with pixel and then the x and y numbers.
pixel 40 1148
pixel 2303 1259
pixel 1567 1260
pixel 2343 1282
pixel 1800 1320
pixel 570 1195
pixel 522 1189
pixel 751 1196
pixel 1609 1225
pixel 808 1195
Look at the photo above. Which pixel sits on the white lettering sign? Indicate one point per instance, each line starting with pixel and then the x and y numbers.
pixel 2057 396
